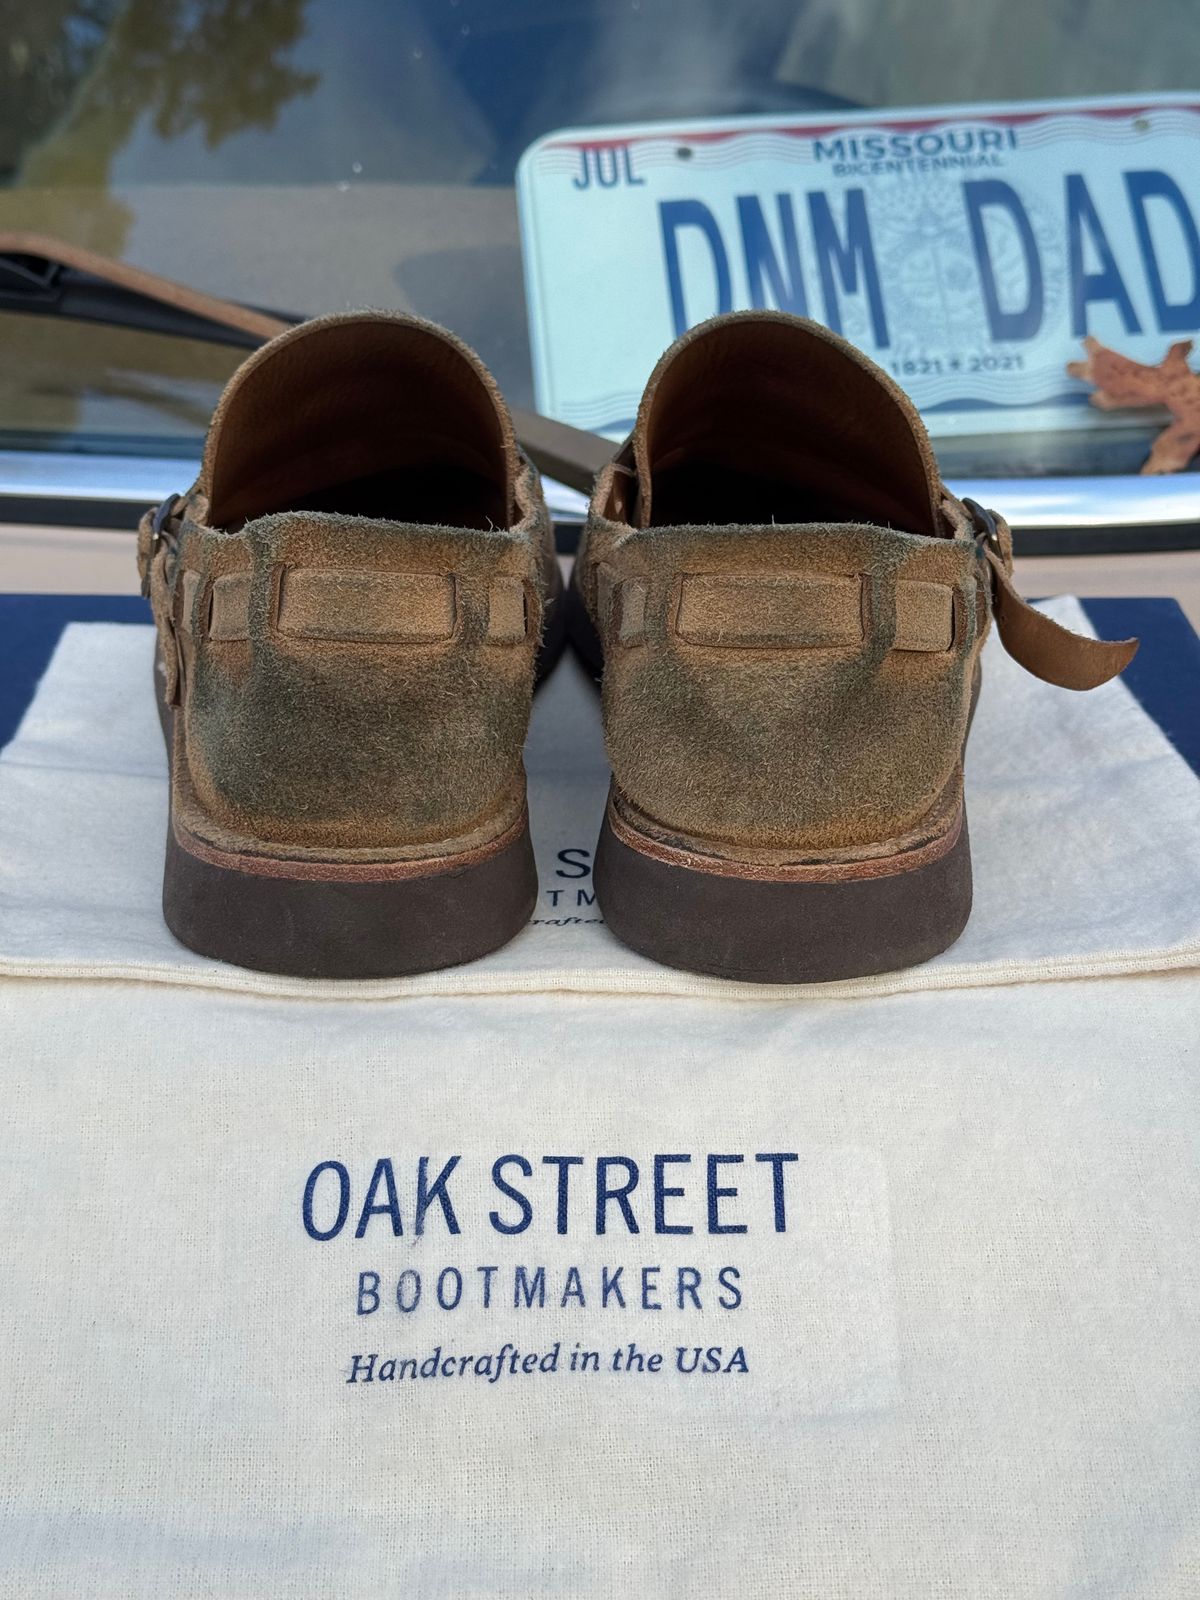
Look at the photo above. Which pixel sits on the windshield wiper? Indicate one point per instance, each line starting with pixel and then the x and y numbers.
pixel 44 276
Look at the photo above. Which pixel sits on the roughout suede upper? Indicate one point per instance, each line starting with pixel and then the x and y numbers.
pixel 788 744
pixel 350 685
pixel 798 683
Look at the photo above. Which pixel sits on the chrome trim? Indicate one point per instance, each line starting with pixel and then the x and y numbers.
pixel 1110 502
pixel 1113 502
pixel 53 475
pixel 60 475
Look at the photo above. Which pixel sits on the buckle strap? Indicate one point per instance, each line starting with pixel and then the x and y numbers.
pixel 156 539
pixel 1041 645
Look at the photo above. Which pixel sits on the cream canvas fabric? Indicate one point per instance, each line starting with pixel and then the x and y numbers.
pixel 564 1276
pixel 967 1365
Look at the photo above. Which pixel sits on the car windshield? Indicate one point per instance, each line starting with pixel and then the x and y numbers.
pixel 310 155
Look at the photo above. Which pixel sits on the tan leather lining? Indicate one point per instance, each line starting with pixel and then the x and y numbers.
pixel 321 406
pixel 781 397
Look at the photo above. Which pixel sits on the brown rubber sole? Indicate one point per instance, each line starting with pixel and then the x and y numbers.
pixel 802 925
pixel 383 927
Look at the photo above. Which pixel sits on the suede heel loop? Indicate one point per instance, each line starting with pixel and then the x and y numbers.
pixel 1041 645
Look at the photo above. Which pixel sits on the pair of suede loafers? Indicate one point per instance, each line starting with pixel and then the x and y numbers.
pixel 785 603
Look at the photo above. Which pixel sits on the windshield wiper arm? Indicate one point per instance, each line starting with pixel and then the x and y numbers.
pixel 44 276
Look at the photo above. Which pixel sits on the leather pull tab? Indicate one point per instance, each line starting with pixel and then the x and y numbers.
pixel 1048 650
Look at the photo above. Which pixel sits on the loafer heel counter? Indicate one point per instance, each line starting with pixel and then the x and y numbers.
pixel 792 709
pixel 349 699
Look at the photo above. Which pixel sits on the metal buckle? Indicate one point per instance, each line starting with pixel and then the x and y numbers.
pixel 986 531
pixel 157 537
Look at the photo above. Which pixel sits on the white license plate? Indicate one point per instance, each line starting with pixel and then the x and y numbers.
pixel 968 249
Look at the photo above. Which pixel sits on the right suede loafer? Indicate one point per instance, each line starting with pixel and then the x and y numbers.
pixel 788 607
